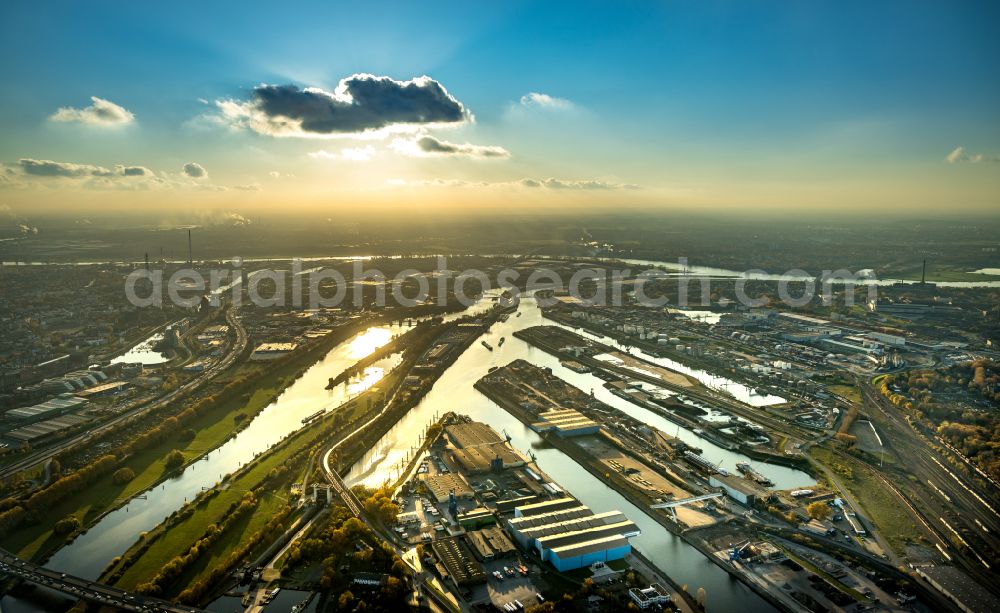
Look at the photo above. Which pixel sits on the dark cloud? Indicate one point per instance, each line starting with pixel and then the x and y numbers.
pixel 49 168
pixel 195 170
pixel 432 146
pixel 360 103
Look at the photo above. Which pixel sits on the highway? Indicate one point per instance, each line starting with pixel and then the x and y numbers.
pixel 83 589
pixel 43 455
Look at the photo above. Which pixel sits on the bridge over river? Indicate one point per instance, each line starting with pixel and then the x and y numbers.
pixel 83 589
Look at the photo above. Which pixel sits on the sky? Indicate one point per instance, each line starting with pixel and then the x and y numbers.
pixel 890 106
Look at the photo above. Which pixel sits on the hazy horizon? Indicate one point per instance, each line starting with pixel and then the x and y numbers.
pixel 839 108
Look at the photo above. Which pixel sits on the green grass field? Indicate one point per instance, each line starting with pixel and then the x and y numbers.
pixel 849 392
pixel 212 428
pixel 880 504
pixel 178 538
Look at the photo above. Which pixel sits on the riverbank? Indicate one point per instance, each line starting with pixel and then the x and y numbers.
pixel 228 415
pixel 583 459
pixel 337 422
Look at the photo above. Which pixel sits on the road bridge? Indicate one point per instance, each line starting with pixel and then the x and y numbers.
pixel 84 589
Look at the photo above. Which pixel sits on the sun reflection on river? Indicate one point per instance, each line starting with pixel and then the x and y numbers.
pixel 373 338
pixel 371 376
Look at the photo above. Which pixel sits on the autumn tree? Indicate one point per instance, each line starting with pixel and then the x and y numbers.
pixel 819 510
pixel 123 476
pixel 174 459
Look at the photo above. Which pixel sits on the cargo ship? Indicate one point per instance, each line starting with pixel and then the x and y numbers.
pixel 703 464
pixel 752 474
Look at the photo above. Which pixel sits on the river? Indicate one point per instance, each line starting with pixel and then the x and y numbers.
pixel 454 392
pixel 89 554
pixel 143 353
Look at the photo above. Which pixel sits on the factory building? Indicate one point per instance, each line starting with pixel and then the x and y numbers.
pixel 520 526
pixel 548 544
pixel 50 408
pixel 477 448
pixel 579 555
pixel 459 562
pixel 42 430
pixel 441 486
pixel 489 544
pixel 888 339
pixel 565 423
pixel 572 536
pixel 105 389
pixel 545 506
pixel 737 488
pixel 845 347
pixel 272 351
pixel 528 534
pixel 475 518
pixel 509 504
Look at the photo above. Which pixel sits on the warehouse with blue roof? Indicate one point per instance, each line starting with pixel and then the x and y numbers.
pixel 572 536
pixel 579 555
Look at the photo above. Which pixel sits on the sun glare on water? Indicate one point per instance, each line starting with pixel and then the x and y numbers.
pixel 369 341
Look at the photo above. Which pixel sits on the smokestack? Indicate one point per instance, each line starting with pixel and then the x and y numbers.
pixel 923 273
pixel 147 261
pixel 190 261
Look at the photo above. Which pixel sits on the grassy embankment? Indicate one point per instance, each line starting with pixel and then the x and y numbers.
pixel 211 429
pixel 164 543
pixel 880 504
pixel 149 466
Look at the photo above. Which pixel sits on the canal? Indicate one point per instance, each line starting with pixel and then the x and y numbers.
pixel 454 392
pixel 90 553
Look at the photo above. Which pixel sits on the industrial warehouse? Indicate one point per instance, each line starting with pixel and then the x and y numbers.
pixel 496 523
pixel 566 422
pixel 572 536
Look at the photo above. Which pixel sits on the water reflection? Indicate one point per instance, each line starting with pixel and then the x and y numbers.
pixel 89 554
pixel 454 392
pixel 368 341
pixel 143 353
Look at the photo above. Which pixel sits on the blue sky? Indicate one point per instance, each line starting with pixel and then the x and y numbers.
pixel 741 104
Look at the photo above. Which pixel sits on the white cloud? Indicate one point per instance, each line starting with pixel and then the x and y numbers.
pixel 28 172
pixel 959 155
pixel 348 154
pixel 545 101
pixel 101 113
pixel 526 183
pixel 577 184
